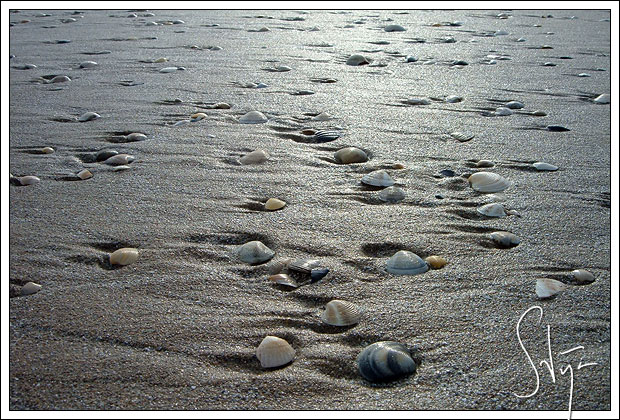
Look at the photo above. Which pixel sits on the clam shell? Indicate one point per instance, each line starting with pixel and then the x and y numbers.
pixel 503 111
pixel 583 276
pixel 548 287
pixel 418 101
pixel 514 105
pixel 274 352
pixel 406 263
pixel 84 174
pixel 605 98
pixel 284 280
pixel 254 252
pixel 394 28
pixel 30 288
pixel 47 150
pixel 60 79
pixel 488 182
pixel 543 166
pixel 28 180
pixel 505 239
pixel 88 116
pixel 462 137
pixel 483 163
pixel 274 204
pixel 452 99
pixel 105 154
pixel 88 64
pixel 169 69
pixel 323 136
pixel 253 117
pixel 254 158
pixel 435 261
pixel 198 116
pixel 539 113
pixel 357 60
pixel 323 116
pixel 340 313
pixel 119 159
pixel 124 256
pixel 392 194
pixel 350 155
pixel 492 210
pixel 385 361
pixel 136 137
pixel 378 178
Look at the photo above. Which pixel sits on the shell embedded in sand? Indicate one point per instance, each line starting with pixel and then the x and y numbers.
pixel 124 256
pixel 492 210
pixel 120 168
pixel 88 116
pixel 384 361
pixel 543 166
pixel 357 60
pixel 514 105
pixel 308 266
pixel 274 352
pixel 323 136
pixel 483 163
pixel 170 69
pixel 453 99
pixel 135 137
pixel 605 98
pixel 254 252
pixel 47 150
pixel 30 288
pixel 119 159
pixel 350 155
pixel 84 174
pixel 462 137
pixel 323 116
pixel 105 154
pixel 505 239
pixel 503 111
pixel 160 60
pixel 181 123
pixel 398 166
pixel 392 194
pixel 539 113
pixel 284 280
pixel 274 204
pixel 253 117
pixel 435 261
pixel 282 68
pixel 394 28
pixel 488 182
pixel 411 59
pixel 254 158
pixel 583 276
pixel 378 178
pixel 88 64
pixel 60 79
pixel 340 313
pixel 198 116
pixel 546 288
pixel 406 263
pixel 28 180
pixel 557 128
pixel 418 101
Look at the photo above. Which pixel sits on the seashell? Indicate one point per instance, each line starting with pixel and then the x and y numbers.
pixel 542 166
pixel 323 116
pixel 340 313
pixel 549 64
pixel 178 22
pixel 222 105
pixel 261 85
pixel 605 98
pixel 539 113
pixel 452 99
pixel 350 155
pixel 514 105
pixel 460 63
pixel 47 150
pixel 462 137
pixel 418 101
pixel 357 60
pixel 254 252
pixel 282 68
pixel 274 352
pixel 483 163
pixel 274 204
pixel 120 168
pixel 435 262
pixel 406 263
pixel 284 280
pixel 392 194
pixel 492 210
pixel 503 111
pixel 25 67
pixel 308 131
pixel 323 136
pixel 500 32
pixel 254 158
pixel 546 288
pixel 88 64
pixel 84 174
pixel 307 266
pixel 253 117
pixel 378 178
pixel 124 256
pixel 398 166
pixel 394 28
pixel 557 128
pixel 28 180
pixel 411 59
pixel 169 69
pixel 60 79
pixel 384 361
pixel 30 288
pixel 181 123
pixel 198 116
pixel 505 239
pixel 88 116
pixel 583 276
pixel 584 75
pixel 521 39
pixel 151 23
pixel 119 159
pixel 160 60
pixel 263 29
pixel 488 182
pixel 105 154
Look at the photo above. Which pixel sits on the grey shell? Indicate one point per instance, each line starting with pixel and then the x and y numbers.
pixel 385 361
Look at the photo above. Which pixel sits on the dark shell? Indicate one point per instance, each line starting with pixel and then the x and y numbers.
pixel 323 136
pixel 105 154
pixel 385 361
pixel 557 128
pixel 307 267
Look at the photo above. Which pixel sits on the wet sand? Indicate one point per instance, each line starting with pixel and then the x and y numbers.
pixel 178 329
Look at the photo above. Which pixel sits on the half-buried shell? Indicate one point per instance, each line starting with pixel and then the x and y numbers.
pixel 253 117
pixel 274 352
pixel 30 288
pixel 462 137
pixel 340 313
pixel 88 116
pixel 546 288
pixel 488 182
pixel 124 256
pixel 543 166
pixel 350 155
pixel 119 159
pixel 505 239
pixel 254 252
pixel 357 60
pixel 378 178
pixel 492 210
pixel 392 194
pixel 385 361
pixel 406 263
pixel 254 158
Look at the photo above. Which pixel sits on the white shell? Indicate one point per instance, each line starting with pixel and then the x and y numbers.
pixel 120 159
pixel 323 116
pixel 255 157
pixel 340 313
pixel 30 288
pixel 254 252
pixel 406 262
pixel 160 60
pixel 514 105
pixel 88 64
pixel 274 351
pixel 548 287
pixel 605 98
pixel 88 116
pixel 392 194
pixel 584 75
pixel 282 68
pixel 394 28
pixel 124 256
pixel 84 174
pixel 503 111
pixel 492 210
pixel 505 239
pixel 488 182
pixel 543 166
pixel 418 101
pixel 253 117
pixel 357 60
pixel 583 276
pixel 121 168
pixel 28 180
pixel 60 79
pixel 378 178
pixel 350 155
pixel 169 69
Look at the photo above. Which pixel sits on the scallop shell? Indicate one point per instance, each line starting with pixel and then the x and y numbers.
pixel 274 352
pixel 462 137
pixel 340 313
pixel 505 239
pixel 274 204
pixel 418 101
pixel 503 111
pixel 546 288
pixel 124 256
pixel 406 263
pixel 119 159
pixel 492 210
pixel 435 261
pixel 254 158
pixel 605 98
pixel 30 288
pixel 323 136
pixel 488 182
pixel 350 155
pixel 392 194
pixel 88 64
pixel 84 174
pixel 378 178
pixel 394 28
pixel 254 252
pixel 253 117
pixel 543 166
pixel 514 105
pixel 384 361
pixel 357 60
pixel 583 276
pixel 28 180
pixel 483 163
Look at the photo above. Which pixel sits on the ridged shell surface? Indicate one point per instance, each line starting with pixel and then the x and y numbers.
pixel 274 352
pixel 350 155
pixel 340 313
pixel 254 252
pixel 323 136
pixel 462 137
pixel 124 256
pixel 548 287
pixel 253 117
pixel 384 361
pixel 378 178
pixel 492 210
pixel 392 194
pixel 488 182
pixel 254 158
pixel 406 263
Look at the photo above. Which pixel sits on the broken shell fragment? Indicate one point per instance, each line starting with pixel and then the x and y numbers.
pixel 406 263
pixel 546 288
pixel 274 352
pixel 254 252
pixel 313 268
pixel 505 239
pixel 436 262
pixel 384 361
pixel 284 280
pixel 340 313
pixel 350 155
pixel 30 288
pixel 488 182
pixel 254 158
pixel 274 204
pixel 378 178
pixel 124 256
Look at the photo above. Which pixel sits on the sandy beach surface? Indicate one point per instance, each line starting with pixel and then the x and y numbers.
pixel 178 328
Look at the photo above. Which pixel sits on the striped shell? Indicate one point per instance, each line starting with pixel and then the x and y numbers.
pixel 340 313
pixel 492 210
pixel 406 263
pixel 254 252
pixel 546 288
pixel 274 352
pixel 543 166
pixel 124 256
pixel 378 178
pixel 505 239
pixel 255 157
pixel 392 194
pixel 323 136
pixel 350 155
pixel 488 182
pixel 385 361
pixel 462 137
pixel 253 117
